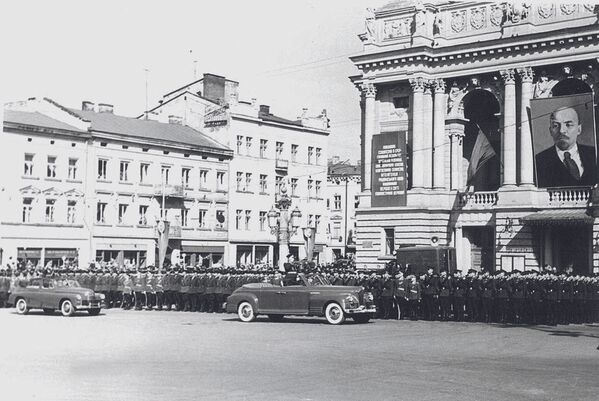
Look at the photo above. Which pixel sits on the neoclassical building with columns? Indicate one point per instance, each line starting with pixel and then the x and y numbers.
pixel 441 74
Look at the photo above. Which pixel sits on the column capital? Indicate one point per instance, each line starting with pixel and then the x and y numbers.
pixel 508 76
pixel 368 89
pixel 439 85
pixel 526 74
pixel 418 84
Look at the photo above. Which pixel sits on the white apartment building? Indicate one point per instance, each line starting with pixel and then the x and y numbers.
pixel 268 151
pixel 343 190
pixel 90 185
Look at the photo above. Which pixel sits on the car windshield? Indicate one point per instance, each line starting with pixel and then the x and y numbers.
pixel 318 280
pixel 67 283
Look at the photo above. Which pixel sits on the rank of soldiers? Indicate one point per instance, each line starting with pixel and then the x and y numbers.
pixel 517 297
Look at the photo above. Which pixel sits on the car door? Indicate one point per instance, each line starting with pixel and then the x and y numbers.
pixel 294 299
pixel 46 294
pixel 32 293
pixel 269 299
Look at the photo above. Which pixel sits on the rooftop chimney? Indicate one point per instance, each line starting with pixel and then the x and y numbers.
pixel 264 109
pixel 172 119
pixel 87 106
pixel 214 87
pixel 105 108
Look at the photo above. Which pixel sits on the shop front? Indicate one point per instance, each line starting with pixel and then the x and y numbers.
pixel 203 255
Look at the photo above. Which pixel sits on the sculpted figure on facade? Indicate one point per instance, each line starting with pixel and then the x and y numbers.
pixel 454 100
pixel 396 28
pixel 543 86
pixel 438 25
pixel 370 24
pixel 518 11
pixel 420 18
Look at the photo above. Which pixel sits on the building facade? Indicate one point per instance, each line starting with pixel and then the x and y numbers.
pixel 343 190
pixel 443 73
pixel 269 151
pixel 89 185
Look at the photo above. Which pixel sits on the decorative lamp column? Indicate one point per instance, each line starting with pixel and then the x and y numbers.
pixel 369 93
pixel 283 224
pixel 427 137
pixel 417 131
pixel 439 148
pixel 508 140
pixel 526 151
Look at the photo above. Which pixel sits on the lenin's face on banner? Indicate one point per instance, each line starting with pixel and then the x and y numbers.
pixel 563 131
pixel 565 127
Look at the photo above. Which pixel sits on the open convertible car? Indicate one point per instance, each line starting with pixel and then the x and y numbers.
pixel 302 295
pixel 51 294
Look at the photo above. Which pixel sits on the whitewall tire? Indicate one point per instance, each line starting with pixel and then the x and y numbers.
pixel 22 307
pixel 66 308
pixel 334 313
pixel 246 313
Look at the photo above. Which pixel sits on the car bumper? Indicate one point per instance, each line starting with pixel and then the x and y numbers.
pixel 89 305
pixel 361 309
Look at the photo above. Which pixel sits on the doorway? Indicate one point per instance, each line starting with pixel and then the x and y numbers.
pixel 478 248
pixel 568 246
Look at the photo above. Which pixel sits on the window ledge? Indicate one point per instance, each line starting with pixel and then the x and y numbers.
pixel 204 189
pixel 104 181
pixel 29 177
pixel 264 193
pixel 221 191
pixel 145 184
pixel 126 182
pixel 143 226
pixel 125 225
pixel 52 179
pixel 98 223
pixel 74 181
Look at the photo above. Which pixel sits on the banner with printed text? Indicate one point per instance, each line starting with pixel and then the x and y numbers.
pixel 389 186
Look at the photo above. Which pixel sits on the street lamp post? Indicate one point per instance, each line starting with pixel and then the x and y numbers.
pixel 283 223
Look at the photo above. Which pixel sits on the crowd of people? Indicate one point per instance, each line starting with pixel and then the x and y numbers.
pixel 516 297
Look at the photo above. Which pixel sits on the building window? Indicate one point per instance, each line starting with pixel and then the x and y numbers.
pixel 51 169
pixel 318 155
pixel 185 176
pixel 239 143
pixel 124 171
pixel 248 181
pixel 389 241
pixel 310 154
pixel 310 188
pixel 248 216
pixel 337 202
pixel 220 181
pixel 72 169
pixel 294 152
pixel 164 174
pixel 203 179
pixel 262 221
pixel 310 220
pixel 71 211
pixel 278 183
pixel 293 186
pixel 263 146
pixel 143 211
pixel 248 145
pixel 122 212
pixel 336 232
pixel 316 222
pixel 27 208
pixel 318 188
pixel 263 181
pixel 279 150
pixel 28 165
pixel 102 169
pixel 184 217
pixel 143 172
pixel 50 210
pixel 402 102
pixel 238 219
pixel 239 181
pixel 100 212
pixel 202 218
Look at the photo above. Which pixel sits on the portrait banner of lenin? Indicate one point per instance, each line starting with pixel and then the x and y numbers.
pixel 563 135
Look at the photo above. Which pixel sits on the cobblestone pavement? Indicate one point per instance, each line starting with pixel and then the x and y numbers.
pixel 131 355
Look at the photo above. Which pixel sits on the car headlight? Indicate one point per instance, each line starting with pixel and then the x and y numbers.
pixel 351 302
pixel 102 296
pixel 78 297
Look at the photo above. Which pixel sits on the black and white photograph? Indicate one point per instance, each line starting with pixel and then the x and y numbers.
pixel 338 200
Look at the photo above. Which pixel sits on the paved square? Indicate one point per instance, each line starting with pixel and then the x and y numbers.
pixel 131 355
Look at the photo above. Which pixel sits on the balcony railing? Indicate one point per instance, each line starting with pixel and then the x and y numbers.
pixel 477 200
pixel 574 196
pixel 282 164
pixel 173 191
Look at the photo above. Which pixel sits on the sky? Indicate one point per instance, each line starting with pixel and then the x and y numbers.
pixel 287 54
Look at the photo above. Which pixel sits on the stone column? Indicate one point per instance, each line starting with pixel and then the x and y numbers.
pixel 427 143
pixel 418 85
pixel 369 93
pixel 455 130
pixel 439 138
pixel 526 151
pixel 508 140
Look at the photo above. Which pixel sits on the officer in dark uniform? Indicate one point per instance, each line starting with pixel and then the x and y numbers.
pixel 473 293
pixel 445 291
pixel 387 294
pixel 487 296
pixel 517 296
pixel 430 295
pixel 502 294
pixel 400 295
pixel 459 294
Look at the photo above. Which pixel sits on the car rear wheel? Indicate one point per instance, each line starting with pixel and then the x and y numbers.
pixel 66 308
pixel 276 318
pixel 334 313
pixel 94 311
pixel 245 311
pixel 362 318
pixel 48 311
pixel 21 306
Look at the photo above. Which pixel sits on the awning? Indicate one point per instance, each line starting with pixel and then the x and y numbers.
pixel 59 253
pixel 29 253
pixel 202 249
pixel 558 218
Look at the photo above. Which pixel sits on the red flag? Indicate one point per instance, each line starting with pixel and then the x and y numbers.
pixel 481 153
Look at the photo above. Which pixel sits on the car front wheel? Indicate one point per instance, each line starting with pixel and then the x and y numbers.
pixel 245 311
pixel 334 313
pixel 66 308
pixel 22 307
pixel 94 311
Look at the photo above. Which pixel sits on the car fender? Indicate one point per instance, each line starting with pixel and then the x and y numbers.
pixel 318 302
pixel 237 297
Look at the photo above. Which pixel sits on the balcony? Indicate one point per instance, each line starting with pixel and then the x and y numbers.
pixel 172 191
pixel 573 196
pixel 477 200
pixel 282 165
